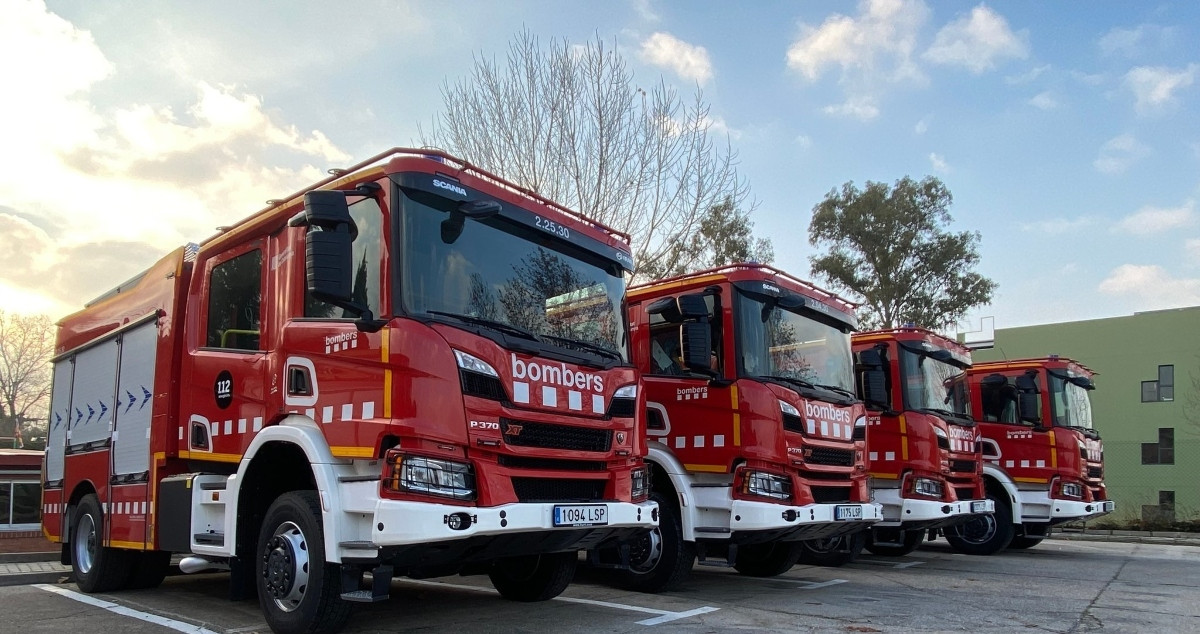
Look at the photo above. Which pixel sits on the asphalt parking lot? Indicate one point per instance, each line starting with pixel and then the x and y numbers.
pixel 1059 586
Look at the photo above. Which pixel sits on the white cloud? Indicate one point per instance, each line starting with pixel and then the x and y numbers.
pixel 938 163
pixel 132 181
pixel 1151 220
pixel 1028 76
pixel 1192 249
pixel 718 126
pixel 1044 101
pixel 977 41
pixel 804 141
pixel 876 45
pixel 923 125
pixel 1058 226
pixel 686 60
pixel 861 108
pixel 1154 87
pixel 1119 153
pixel 1133 42
pixel 1089 79
pixel 645 10
pixel 1151 286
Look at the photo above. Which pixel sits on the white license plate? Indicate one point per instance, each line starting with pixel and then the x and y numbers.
pixel 847 512
pixel 580 515
pixel 978 507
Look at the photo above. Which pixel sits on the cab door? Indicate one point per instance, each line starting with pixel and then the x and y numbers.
pixel 225 365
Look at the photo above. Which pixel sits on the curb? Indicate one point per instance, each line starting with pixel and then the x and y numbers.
pixel 26 558
pixel 30 578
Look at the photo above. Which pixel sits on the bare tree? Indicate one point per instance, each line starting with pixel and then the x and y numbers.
pixel 570 123
pixel 26 345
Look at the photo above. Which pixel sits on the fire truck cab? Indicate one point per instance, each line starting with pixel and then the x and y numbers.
pixel 411 368
pixel 923 445
pixel 756 444
pixel 1043 459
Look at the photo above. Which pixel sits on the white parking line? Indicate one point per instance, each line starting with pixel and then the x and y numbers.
pixel 178 626
pixel 664 616
pixel 814 585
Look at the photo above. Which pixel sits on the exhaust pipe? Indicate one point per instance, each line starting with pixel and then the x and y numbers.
pixel 191 565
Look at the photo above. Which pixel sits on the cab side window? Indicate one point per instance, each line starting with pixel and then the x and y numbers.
pixel 235 303
pixel 999 403
pixel 367 263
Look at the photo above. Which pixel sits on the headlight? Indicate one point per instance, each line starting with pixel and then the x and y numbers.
pixel 788 408
pixel 927 487
pixel 860 428
pixel 626 391
pixel 472 363
pixel 1071 490
pixel 767 485
pixel 940 432
pixel 639 489
pixel 418 474
pixel 943 441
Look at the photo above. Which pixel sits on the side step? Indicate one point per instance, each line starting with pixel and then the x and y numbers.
pixel 381 582
pixel 210 539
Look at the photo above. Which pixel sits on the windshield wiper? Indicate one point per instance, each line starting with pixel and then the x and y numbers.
pixel 837 388
pixel 584 345
pixel 788 379
pixel 488 323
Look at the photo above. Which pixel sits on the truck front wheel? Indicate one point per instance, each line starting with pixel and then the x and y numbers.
pixel 297 589
pixel 767 560
pixel 660 560
pixel 834 551
pixel 533 577
pixel 97 568
pixel 985 534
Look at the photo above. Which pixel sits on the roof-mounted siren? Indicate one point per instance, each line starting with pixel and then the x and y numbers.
pixel 981 339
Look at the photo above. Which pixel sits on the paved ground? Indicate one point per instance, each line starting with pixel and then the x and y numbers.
pixel 1060 586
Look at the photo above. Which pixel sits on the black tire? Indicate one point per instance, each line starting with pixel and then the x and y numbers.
pixel 149 569
pixel 533 577
pixel 297 589
pixel 908 542
pixel 660 560
pixel 1022 542
pixel 767 560
pixel 97 568
pixel 834 551
pixel 984 534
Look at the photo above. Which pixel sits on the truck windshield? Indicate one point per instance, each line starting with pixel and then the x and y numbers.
pixel 933 384
pixel 518 278
pixel 1072 407
pixel 774 341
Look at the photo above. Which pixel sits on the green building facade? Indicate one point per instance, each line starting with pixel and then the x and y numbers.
pixel 1146 404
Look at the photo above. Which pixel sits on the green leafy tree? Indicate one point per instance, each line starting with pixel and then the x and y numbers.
pixel 891 249
pixel 725 236
pixel 569 122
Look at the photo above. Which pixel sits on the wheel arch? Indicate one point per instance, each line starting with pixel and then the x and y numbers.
pixel 667 473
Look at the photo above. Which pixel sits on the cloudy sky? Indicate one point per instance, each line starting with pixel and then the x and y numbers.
pixel 1069 134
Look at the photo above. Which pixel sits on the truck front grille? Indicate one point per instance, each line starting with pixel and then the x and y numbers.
pixel 1095 473
pixel 831 457
pixel 558 490
pixel 550 436
pixel 826 495
pixel 962 466
pixel 551 464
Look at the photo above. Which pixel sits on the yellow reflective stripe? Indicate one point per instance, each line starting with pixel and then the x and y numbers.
pixel 885 476
pixel 707 468
pixel 737 418
pixel 903 438
pixel 353 452
pixel 385 349
pixel 1033 480
pixel 211 457
pixel 1053 451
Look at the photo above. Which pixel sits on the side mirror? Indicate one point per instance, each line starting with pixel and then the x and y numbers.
pixel 697 346
pixel 1027 400
pixel 874 387
pixel 1083 382
pixel 329 253
pixel 693 307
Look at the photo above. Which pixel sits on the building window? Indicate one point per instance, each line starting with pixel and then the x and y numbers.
pixel 20 504
pixel 1161 452
pixel 1162 390
pixel 1164 512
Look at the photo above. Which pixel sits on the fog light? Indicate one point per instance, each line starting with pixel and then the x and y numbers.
pixel 459 521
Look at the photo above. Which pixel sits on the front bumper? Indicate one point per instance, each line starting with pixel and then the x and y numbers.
pixel 915 514
pixel 753 522
pixel 400 523
pixel 1070 510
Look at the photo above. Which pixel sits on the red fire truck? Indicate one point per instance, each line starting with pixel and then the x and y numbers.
pixel 411 368
pixel 1044 462
pixel 756 448
pixel 922 442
